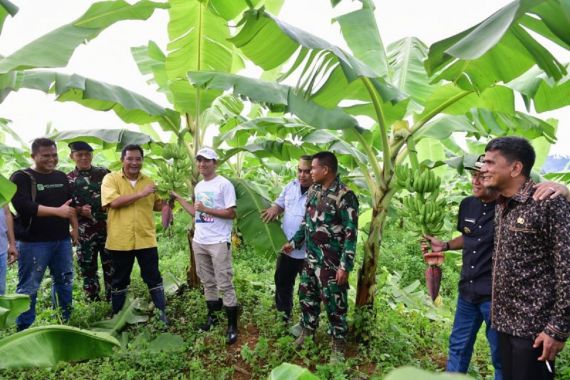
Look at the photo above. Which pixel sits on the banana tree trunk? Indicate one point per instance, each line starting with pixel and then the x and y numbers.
pixel 366 286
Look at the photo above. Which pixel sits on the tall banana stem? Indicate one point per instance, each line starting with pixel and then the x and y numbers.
pixel 377 103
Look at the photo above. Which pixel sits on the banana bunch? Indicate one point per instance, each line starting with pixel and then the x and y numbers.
pixel 419 181
pixel 173 171
pixel 427 216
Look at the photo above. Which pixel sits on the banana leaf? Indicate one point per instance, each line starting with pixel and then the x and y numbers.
pixel 7 191
pixel 265 238
pixel 56 48
pixel 287 371
pixel 12 305
pixel 45 346
pixel 106 137
pixel 6 9
pixel 128 315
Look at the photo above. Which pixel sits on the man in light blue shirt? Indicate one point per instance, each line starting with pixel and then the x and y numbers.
pixel 290 203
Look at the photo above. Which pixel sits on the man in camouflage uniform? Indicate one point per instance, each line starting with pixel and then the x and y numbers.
pixel 85 181
pixel 329 229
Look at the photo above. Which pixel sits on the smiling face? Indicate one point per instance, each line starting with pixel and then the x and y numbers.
pixel 304 173
pixel 206 167
pixel 45 159
pixel 82 159
pixel 132 163
pixel 498 173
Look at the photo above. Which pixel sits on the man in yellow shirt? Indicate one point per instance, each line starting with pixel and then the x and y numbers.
pixel 131 198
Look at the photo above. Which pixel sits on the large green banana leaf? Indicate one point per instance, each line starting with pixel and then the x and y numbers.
pixel 360 31
pixel 45 346
pixel 277 95
pixel 129 106
pixel 151 62
pixel 269 42
pixel 130 314
pixel 542 91
pixel 6 9
pixel 500 49
pixel 11 305
pixel 55 48
pixel 106 137
pixel 265 238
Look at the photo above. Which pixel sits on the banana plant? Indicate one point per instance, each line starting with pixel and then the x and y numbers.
pixel 407 89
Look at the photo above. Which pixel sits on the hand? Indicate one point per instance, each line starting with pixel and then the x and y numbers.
pixel 341 276
pixel 287 248
pixel 175 195
pixel 270 214
pixel 199 206
pixel 549 190
pixel 12 254
pixel 436 245
pixel 74 237
pixel 550 346
pixel 85 211
pixel 66 211
pixel 149 189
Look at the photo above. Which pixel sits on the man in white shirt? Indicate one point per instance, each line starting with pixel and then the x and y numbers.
pixel 290 203
pixel 214 211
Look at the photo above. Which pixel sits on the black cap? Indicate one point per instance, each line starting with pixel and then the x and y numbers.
pixel 470 163
pixel 80 145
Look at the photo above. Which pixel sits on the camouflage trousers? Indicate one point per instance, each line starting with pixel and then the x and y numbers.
pixel 318 284
pixel 88 250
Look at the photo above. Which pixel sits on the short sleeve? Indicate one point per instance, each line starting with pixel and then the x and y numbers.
pixel 229 193
pixel 109 190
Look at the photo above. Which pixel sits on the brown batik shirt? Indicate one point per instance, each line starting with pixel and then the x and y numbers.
pixel 531 266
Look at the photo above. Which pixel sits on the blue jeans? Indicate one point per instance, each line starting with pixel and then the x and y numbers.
pixel 32 263
pixel 468 319
pixel 3 268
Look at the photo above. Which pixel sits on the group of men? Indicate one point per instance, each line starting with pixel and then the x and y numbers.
pixel 516 261
pixel 110 215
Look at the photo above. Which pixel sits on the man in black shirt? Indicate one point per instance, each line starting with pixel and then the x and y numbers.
pixel 44 212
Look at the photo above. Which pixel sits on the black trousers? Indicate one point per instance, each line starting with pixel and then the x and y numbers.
pixel 285 273
pixel 519 359
pixel 123 264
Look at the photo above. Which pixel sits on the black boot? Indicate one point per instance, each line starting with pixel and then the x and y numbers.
pixel 213 308
pixel 118 298
pixel 157 296
pixel 232 333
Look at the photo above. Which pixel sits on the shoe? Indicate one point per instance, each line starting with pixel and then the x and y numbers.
pixel 301 338
pixel 296 330
pixel 159 300
pixel 118 298
pixel 337 350
pixel 212 319
pixel 232 332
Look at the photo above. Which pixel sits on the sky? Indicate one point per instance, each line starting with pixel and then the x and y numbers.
pixel 107 58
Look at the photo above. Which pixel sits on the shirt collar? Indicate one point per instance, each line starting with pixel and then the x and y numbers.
pixel 141 176
pixel 521 196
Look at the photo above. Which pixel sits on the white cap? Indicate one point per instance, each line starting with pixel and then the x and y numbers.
pixel 207 153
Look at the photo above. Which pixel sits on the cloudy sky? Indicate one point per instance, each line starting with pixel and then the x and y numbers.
pixel 107 58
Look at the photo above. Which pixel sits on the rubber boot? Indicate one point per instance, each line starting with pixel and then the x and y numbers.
pixel 305 332
pixel 232 333
pixel 118 298
pixel 159 300
pixel 212 319
pixel 337 350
